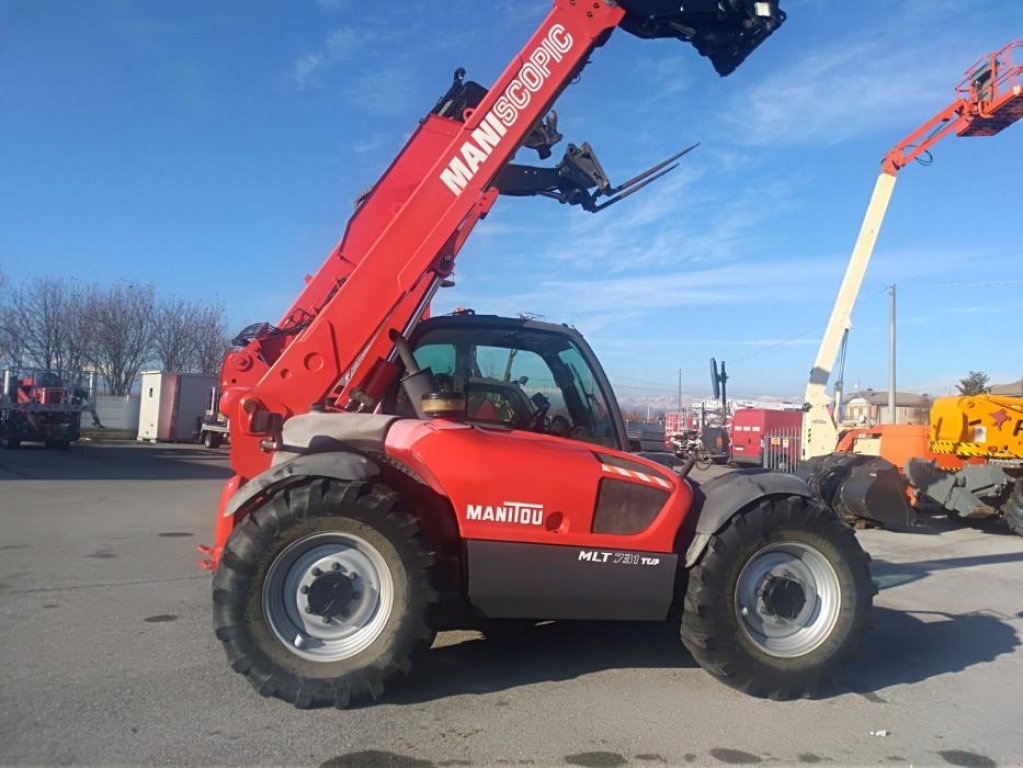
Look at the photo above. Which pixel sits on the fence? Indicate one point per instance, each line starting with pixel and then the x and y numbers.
pixel 781 450
pixel 116 412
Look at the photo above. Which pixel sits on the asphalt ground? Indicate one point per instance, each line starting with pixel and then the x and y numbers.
pixel 108 656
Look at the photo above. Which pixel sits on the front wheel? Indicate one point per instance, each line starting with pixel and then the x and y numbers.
pixel 780 599
pixel 702 459
pixel 323 594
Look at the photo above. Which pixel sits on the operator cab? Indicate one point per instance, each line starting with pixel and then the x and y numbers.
pixel 517 374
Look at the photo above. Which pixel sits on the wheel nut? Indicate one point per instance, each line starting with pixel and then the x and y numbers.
pixel 304 589
pixel 308 609
pixel 317 572
pixel 335 566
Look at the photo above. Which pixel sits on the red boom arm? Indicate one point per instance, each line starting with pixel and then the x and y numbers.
pixel 401 242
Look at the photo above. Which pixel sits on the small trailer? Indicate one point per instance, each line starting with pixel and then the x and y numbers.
pixel 214 429
pixel 753 429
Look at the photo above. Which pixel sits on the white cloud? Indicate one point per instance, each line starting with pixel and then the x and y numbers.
pixel 843 90
pixel 340 45
pixel 304 68
pixel 385 90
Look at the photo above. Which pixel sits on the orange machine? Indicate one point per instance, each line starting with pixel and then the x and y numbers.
pixel 863 479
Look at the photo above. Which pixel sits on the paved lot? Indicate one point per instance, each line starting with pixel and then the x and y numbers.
pixel 108 655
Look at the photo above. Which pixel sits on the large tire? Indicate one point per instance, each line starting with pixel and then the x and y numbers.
pixel 805 584
pixel 212 439
pixel 1013 508
pixel 355 635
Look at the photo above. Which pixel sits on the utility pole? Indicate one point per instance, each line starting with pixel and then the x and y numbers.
pixel 891 355
pixel 680 393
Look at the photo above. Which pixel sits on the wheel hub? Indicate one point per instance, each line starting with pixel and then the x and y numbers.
pixel 787 599
pixel 332 594
pixel 783 597
pixel 327 596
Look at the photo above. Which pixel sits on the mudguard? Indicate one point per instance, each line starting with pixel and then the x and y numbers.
pixel 338 465
pixel 718 499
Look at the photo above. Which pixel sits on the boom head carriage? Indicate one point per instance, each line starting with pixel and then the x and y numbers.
pixel 725 31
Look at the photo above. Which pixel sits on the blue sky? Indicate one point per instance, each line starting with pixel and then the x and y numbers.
pixel 215 149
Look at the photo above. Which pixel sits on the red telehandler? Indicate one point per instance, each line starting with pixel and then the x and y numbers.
pixel 397 475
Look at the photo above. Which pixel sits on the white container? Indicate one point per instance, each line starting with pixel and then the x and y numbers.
pixel 172 405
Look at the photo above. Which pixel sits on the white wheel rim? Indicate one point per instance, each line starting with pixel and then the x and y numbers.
pixel 797 629
pixel 308 568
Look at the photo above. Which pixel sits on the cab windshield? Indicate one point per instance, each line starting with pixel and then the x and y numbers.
pixel 518 378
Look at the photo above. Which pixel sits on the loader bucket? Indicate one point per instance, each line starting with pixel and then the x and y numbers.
pixel 725 31
pixel 861 489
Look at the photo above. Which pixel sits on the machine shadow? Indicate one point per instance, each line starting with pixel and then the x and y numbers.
pixel 933 520
pixel 561 651
pixel 555 651
pixel 887 575
pixel 130 461
pixel 904 648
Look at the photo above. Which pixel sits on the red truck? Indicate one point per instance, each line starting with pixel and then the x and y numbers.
pixel 750 426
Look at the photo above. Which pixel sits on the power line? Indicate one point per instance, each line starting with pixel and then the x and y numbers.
pixel 984 284
pixel 803 333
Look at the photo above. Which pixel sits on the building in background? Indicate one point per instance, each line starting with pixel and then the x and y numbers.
pixel 1013 389
pixel 869 407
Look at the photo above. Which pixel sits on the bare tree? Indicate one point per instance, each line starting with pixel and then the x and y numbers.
pixel 211 339
pixel 54 323
pixel 174 334
pixel 39 323
pixel 9 345
pixel 120 323
pixel 190 336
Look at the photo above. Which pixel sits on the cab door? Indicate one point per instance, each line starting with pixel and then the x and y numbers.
pixel 556 522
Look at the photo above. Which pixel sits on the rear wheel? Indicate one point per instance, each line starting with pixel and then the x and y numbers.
pixel 703 461
pixel 780 599
pixel 212 439
pixel 1013 508
pixel 323 594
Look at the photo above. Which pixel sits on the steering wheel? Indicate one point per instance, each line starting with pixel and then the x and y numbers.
pixel 538 420
pixel 559 426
